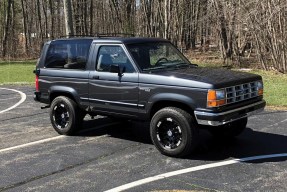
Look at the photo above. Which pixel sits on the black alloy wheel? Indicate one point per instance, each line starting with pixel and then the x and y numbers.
pixel 65 115
pixel 168 133
pixel 173 132
pixel 61 115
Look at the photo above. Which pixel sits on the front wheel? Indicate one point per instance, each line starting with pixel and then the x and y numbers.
pixel 65 115
pixel 173 131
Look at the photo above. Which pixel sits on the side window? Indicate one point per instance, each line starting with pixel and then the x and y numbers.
pixel 68 54
pixel 113 55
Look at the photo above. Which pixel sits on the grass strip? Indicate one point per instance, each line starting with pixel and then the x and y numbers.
pixel 275 87
pixel 17 72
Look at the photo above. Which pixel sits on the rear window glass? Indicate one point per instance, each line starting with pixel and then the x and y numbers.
pixel 68 54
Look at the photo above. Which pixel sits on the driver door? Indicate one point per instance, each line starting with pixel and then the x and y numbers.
pixel 110 92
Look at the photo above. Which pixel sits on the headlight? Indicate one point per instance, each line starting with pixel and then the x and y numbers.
pixel 259 87
pixel 216 98
pixel 220 94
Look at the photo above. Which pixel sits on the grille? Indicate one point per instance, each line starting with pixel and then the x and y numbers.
pixel 241 92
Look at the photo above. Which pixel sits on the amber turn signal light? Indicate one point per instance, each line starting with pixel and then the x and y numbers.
pixel 216 98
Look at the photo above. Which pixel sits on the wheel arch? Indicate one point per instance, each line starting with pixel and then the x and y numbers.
pixel 172 100
pixel 69 92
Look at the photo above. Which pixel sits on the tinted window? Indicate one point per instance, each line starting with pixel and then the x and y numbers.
pixel 69 54
pixel 113 55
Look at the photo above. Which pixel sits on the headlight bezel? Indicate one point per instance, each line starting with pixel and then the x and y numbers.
pixel 216 97
pixel 259 87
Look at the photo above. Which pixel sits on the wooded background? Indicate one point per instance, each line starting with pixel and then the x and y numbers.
pixel 237 29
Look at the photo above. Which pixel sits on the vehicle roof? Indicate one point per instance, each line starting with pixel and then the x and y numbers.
pixel 124 40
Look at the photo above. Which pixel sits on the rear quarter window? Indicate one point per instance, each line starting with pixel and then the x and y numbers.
pixel 68 54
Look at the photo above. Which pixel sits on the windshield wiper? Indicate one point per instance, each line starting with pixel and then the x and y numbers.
pixel 169 66
pixel 183 65
pixel 177 65
pixel 154 68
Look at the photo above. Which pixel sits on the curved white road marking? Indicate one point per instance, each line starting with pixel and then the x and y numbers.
pixel 23 98
pixel 192 169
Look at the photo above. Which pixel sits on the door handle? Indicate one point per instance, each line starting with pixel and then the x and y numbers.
pixel 96 77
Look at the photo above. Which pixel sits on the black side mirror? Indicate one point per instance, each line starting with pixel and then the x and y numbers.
pixel 117 69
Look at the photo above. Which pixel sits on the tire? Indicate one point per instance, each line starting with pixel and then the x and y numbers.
pixel 65 116
pixel 229 130
pixel 173 132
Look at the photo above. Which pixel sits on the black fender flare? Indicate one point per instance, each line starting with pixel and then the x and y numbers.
pixel 173 97
pixel 58 89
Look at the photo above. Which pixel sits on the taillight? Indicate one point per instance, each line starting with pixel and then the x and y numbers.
pixel 37 83
pixel 37 73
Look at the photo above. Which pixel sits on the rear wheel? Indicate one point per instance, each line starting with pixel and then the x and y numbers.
pixel 65 116
pixel 229 130
pixel 173 131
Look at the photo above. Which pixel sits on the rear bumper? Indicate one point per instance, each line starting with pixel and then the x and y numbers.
pixel 40 97
pixel 217 119
pixel 37 96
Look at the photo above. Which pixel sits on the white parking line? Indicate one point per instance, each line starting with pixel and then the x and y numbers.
pixel 32 143
pixel 10 98
pixel 54 138
pixel 23 98
pixel 192 169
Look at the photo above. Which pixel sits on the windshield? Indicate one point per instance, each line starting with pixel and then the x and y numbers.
pixel 156 56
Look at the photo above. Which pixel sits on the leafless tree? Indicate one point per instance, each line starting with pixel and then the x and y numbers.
pixel 6 28
pixel 68 18
pixel 238 29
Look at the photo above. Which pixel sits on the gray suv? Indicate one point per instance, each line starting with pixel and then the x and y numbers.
pixel 145 79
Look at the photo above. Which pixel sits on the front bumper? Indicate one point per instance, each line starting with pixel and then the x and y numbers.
pixel 217 119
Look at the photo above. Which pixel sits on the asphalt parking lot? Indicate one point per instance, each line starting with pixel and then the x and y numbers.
pixel 109 155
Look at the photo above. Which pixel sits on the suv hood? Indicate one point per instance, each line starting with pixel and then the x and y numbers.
pixel 216 77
